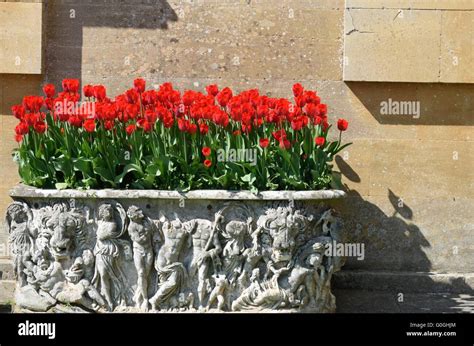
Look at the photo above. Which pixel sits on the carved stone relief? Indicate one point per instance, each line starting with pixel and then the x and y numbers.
pixel 112 256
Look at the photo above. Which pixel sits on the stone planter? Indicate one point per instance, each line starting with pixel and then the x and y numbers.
pixel 149 250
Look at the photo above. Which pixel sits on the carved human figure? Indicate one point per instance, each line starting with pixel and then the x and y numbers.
pixel 260 248
pixel 233 252
pixel 22 236
pixel 171 272
pixel 219 292
pixel 141 231
pixel 206 250
pixel 48 275
pixel 304 273
pixel 79 277
pixel 109 277
pixel 246 300
pixel 28 267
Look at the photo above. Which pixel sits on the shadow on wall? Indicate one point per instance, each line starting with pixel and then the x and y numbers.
pixel 425 103
pixel 393 245
pixel 65 23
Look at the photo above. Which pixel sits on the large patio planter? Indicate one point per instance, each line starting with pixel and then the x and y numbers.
pixel 152 250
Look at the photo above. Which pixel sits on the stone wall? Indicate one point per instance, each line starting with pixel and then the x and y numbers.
pixel 409 179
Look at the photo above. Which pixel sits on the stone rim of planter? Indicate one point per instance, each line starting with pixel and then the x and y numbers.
pixel 25 191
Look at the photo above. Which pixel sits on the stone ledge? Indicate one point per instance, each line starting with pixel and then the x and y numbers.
pixel 23 191
pixel 364 301
pixel 414 282
pixel 6 269
pixel 455 5
pixel 7 292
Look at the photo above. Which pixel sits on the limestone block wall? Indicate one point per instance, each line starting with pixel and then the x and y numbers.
pixel 21 37
pixel 409 177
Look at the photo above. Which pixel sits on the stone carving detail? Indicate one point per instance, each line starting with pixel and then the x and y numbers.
pixel 104 257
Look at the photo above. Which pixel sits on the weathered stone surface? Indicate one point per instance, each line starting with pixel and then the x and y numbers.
pixel 21 40
pixel 237 41
pixel 405 282
pixel 379 45
pixel 412 4
pixel 410 234
pixel 457 39
pixel 27 297
pixel 408 41
pixel 130 251
pixel 24 191
pixel 8 172
pixel 376 301
pixel 13 87
pixel 7 292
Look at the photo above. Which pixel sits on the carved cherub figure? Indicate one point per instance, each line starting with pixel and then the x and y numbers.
pixel 48 275
pixel 219 292
pixel 79 278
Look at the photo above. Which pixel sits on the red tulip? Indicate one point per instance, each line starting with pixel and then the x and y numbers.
pixel 49 90
pixel 279 135
pixel 145 125
pixel 285 144
pixel 139 85
pixel 132 96
pixel 33 103
pixel 130 129
pixel 320 141
pixel 89 125
pixel 206 151
pixel 212 90
pixel 297 89
pixel 300 101
pixel 203 128
pixel 168 120
pixel 224 96
pixel 71 85
pixel 312 98
pixel 18 138
pixel 342 124
pixel 99 92
pixel 264 142
pixel 40 126
pixel 132 110
pixel 108 125
pixel 183 125
pixel 192 128
pixel 22 128
pixel 207 163
pixel 75 121
pixel 18 111
pixel 322 108
pixel 88 90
